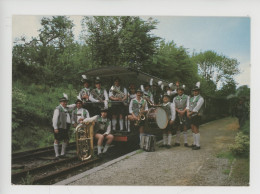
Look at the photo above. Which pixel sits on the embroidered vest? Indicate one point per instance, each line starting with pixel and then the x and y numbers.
pixel 98 95
pixel 194 104
pixel 101 125
pixel 181 101
pixel 137 106
pixel 62 119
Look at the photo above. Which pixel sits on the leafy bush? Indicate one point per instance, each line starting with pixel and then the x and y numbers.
pixel 241 145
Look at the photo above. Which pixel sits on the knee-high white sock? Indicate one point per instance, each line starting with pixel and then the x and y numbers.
pixel 114 121
pixel 169 139
pixel 56 149
pixel 141 134
pixel 164 139
pixel 185 136
pixel 194 138
pixel 105 148
pixel 99 149
pixel 198 139
pixel 178 136
pixel 121 124
pixel 127 125
pixel 63 148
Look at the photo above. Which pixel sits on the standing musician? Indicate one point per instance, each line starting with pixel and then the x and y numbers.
pixel 117 93
pixel 170 109
pixel 132 92
pixel 193 113
pixel 147 94
pixel 99 95
pixel 102 131
pixel 181 102
pixel 61 123
pixel 79 114
pixel 137 109
pixel 85 92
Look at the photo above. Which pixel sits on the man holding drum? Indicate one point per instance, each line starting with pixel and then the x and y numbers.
pixel 194 115
pixel 170 109
pixel 181 102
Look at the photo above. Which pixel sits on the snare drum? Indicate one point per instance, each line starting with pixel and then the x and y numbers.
pixel 157 118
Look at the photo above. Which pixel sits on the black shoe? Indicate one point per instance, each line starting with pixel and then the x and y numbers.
pixel 192 146
pixel 62 156
pixel 177 144
pixel 196 148
pixel 168 146
pixel 100 155
pixel 187 145
pixel 162 146
pixel 56 158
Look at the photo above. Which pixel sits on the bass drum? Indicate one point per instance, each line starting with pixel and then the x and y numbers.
pixel 157 118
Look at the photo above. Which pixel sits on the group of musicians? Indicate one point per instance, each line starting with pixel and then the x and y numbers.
pixel 182 111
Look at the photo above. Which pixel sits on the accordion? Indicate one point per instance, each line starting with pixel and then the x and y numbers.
pixel 148 143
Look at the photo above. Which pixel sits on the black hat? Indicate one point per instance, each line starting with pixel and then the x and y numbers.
pixel 139 90
pixel 97 81
pixel 117 78
pixel 166 95
pixel 85 79
pixel 104 110
pixel 196 88
pixel 78 100
pixel 63 99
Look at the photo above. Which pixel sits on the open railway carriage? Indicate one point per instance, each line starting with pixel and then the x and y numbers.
pixel 156 116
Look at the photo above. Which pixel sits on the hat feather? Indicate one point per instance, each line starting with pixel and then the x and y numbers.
pixel 151 81
pixel 65 96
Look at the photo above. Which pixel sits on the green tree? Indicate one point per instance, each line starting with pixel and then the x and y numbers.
pixel 218 68
pixel 117 41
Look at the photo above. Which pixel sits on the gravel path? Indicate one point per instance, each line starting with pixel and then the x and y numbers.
pixel 176 166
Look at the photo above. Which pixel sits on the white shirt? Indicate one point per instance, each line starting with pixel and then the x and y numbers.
pixel 199 104
pixel 81 112
pixel 57 112
pixel 131 105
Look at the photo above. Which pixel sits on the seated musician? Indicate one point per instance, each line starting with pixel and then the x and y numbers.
pixel 119 94
pixel 137 107
pixel 147 94
pixel 102 131
pixel 167 132
pixel 98 95
pixel 85 92
pixel 79 114
pixel 181 101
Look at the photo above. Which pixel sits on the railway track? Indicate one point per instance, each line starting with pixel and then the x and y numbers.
pixel 50 171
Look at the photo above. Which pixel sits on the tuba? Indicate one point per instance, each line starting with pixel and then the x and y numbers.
pixel 84 140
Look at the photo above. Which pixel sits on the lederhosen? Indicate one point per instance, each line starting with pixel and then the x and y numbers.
pixel 181 104
pixel 63 126
pixel 136 106
pixel 167 108
pixel 101 126
pixel 196 118
pixel 96 95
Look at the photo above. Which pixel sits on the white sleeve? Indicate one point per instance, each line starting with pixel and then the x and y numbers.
pixel 55 118
pixel 199 105
pixel 131 107
pixel 173 112
pixel 110 93
pixel 71 106
pixel 151 98
pixel 125 91
pixel 108 128
pixel 188 103
pixel 92 99
pixel 146 106
pixel 105 94
pixel 87 115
